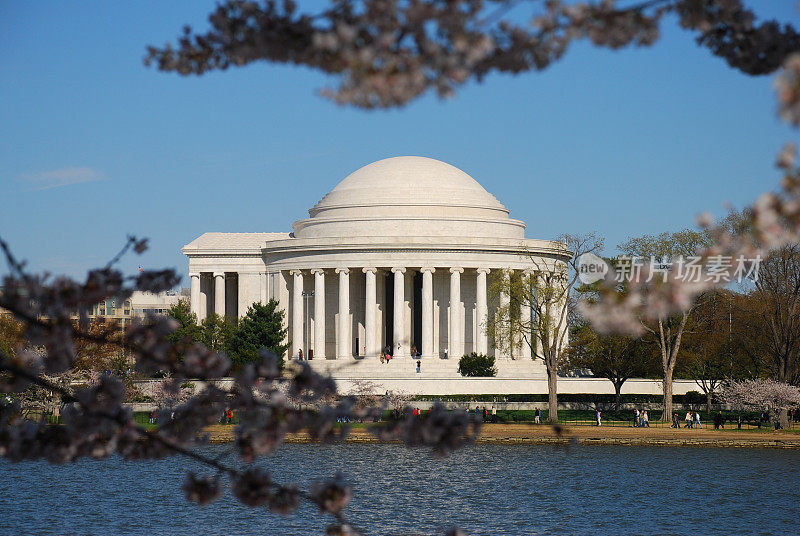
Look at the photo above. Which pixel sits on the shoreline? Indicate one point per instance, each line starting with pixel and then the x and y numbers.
pixel 531 434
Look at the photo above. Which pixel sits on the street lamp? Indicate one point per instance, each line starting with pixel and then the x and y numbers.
pixel 307 332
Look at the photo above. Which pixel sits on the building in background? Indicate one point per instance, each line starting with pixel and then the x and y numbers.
pixel 145 303
pixel 122 312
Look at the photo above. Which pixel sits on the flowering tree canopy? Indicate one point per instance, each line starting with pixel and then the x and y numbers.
pixel 97 423
pixel 761 395
pixel 388 52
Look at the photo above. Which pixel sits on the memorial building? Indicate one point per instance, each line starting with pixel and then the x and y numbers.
pixel 396 258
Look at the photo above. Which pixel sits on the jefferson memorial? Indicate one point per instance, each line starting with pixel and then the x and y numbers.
pixel 394 259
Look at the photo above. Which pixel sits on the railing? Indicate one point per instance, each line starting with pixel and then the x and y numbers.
pixel 566 417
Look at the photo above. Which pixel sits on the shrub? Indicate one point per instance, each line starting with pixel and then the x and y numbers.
pixel 477 365
pixel 694 397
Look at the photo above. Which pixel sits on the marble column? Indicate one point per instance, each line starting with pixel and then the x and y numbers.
pixel 206 288
pixel 244 283
pixel 539 282
pixel 456 326
pixel 219 294
pixel 427 311
pixel 194 299
pixel 399 343
pixel 344 341
pixel 297 312
pixel 371 313
pixel 525 316
pixel 319 313
pixel 263 289
pixel 482 313
pixel 505 311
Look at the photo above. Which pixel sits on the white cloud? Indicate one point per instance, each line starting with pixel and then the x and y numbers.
pixel 62 177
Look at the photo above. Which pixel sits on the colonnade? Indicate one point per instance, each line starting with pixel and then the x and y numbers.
pixel 400 344
pixel 199 297
pixel 225 293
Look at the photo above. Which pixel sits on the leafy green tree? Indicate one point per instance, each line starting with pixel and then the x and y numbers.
pixel 668 330
pixel 188 328
pixel 617 358
pixel 544 292
pixel 710 353
pixel 261 327
pixel 216 332
pixel 477 365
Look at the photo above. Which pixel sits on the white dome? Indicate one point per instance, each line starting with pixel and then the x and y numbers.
pixel 409 196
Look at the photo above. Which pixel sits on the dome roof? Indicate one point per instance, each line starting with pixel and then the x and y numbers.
pixel 409 196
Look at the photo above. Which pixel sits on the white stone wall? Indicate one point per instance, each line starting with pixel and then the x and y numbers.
pixel 510 386
pixel 485 386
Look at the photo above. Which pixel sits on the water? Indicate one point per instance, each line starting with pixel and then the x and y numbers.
pixel 486 489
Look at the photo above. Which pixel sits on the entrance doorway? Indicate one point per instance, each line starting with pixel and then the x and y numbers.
pixel 388 327
pixel 416 312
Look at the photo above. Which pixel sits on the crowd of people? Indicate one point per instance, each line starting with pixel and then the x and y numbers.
pixel 641 418
pixel 692 420
pixel 484 413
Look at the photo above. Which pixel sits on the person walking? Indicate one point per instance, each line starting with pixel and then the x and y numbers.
pixel 494 413
pixel 597 415
pixel 689 420
pixel 675 423
pixel 419 366
pixel 300 354
pixel 538 416
pixel 645 419
pixel 636 417
pixel 697 419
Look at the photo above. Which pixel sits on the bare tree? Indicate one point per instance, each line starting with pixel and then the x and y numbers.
pixel 770 316
pixel 710 351
pixel 533 308
pixel 667 330
pixel 777 293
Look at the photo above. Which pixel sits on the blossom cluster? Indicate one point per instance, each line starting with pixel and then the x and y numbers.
pixel 386 53
pixel 96 422
pixel 761 395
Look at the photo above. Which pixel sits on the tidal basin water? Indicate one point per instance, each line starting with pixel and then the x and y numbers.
pixel 486 489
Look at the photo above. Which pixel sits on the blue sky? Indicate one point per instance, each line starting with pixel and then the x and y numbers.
pixel 95 146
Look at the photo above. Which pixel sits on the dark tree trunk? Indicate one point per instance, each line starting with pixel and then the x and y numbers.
pixel 552 395
pixel 783 418
pixel 667 415
pixel 617 394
